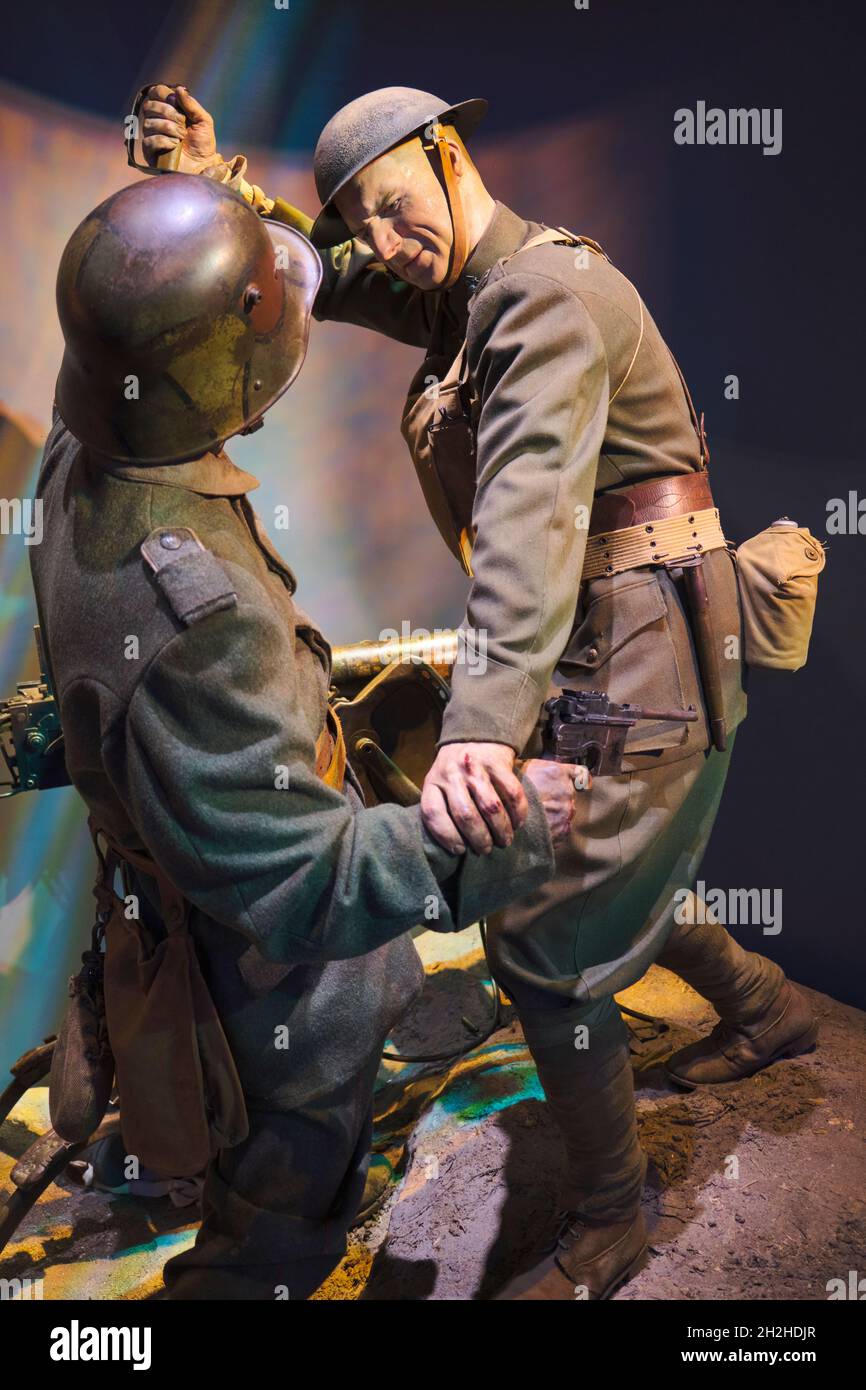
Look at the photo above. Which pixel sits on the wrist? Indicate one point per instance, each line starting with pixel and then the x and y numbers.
pixel 232 174
pixel 180 162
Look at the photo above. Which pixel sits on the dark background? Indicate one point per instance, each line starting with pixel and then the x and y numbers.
pixel 760 274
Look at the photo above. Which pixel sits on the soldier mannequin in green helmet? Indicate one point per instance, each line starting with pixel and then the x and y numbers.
pixel 193 696
pixel 561 435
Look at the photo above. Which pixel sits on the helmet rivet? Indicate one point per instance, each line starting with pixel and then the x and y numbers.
pixel 169 541
pixel 252 295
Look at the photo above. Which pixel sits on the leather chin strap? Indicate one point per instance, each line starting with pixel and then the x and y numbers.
pixel 459 242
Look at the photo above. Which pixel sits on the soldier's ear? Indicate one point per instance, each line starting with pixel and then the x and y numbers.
pixel 460 159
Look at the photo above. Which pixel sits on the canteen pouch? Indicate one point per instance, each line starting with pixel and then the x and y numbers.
pixel 180 1094
pixel 778 577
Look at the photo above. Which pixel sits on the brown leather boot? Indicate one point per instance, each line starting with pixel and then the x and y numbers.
pixel 587 1260
pixel 735 1050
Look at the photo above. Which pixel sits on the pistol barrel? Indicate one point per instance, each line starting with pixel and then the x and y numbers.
pixel 679 716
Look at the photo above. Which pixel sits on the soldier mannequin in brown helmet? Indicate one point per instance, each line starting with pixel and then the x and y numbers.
pixel 202 747
pixel 561 450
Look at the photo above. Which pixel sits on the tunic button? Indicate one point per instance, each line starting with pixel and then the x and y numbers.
pixel 169 541
pixel 592 654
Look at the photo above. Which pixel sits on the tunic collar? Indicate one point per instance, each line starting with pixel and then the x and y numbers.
pixel 504 233
pixel 212 475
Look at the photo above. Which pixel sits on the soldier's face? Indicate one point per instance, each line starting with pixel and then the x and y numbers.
pixel 398 208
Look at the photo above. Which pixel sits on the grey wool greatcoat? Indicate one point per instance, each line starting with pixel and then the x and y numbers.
pixel 302 900
pixel 573 392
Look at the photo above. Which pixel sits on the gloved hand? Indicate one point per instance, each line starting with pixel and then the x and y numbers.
pixel 175 124
pixel 172 120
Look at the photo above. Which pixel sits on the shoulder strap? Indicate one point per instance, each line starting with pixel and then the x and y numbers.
pixel 175 907
pixel 190 577
pixel 697 423
pixel 560 236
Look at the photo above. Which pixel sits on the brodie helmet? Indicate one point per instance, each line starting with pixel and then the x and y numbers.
pixel 375 123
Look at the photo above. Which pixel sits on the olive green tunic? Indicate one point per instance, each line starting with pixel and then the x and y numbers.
pixel 574 392
pixel 564 409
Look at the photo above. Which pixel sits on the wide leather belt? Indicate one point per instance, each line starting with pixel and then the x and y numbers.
pixel 651 500
pixel 660 521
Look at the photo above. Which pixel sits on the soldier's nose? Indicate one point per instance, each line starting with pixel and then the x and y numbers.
pixel 385 242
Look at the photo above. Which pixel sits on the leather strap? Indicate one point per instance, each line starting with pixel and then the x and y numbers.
pixel 175 907
pixel 697 423
pixel 675 494
pixel 459 241
pixel 331 751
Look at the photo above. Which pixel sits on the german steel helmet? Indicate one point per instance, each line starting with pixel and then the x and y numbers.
pixel 185 317
pixel 368 127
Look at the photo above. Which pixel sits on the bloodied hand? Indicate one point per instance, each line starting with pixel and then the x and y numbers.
pixel 472 796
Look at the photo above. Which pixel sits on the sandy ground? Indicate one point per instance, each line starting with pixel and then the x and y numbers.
pixel 755 1191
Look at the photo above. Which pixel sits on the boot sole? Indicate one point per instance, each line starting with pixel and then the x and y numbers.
pixel 806 1042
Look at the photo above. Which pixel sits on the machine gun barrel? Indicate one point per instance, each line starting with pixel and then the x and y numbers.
pixel 360 661
pixel 31 739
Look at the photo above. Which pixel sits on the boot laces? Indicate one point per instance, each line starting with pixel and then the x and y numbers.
pixel 570 1226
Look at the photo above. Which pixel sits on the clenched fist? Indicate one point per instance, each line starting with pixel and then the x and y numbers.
pixel 170 118
pixel 556 784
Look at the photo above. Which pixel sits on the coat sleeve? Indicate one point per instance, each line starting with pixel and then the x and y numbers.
pixel 216 767
pixel 539 365
pixel 356 288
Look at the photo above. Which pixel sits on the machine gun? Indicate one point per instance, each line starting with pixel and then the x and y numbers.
pixel 31 740
pixel 389 696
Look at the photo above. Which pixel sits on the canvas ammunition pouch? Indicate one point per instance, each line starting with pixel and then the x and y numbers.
pixel 778 578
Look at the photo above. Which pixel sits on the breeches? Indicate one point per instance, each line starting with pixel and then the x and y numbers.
pixel 599 923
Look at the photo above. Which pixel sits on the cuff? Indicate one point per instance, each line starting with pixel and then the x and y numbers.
pixel 231 174
pixel 478 884
pixel 496 704
pixel 291 216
